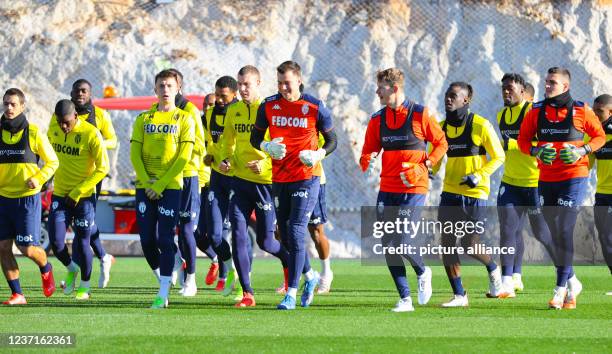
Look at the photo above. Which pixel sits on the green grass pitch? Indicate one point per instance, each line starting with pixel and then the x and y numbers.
pixel 355 317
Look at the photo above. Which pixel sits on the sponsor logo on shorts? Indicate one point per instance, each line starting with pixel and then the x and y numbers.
pixel 266 206
pixel 142 207
pixel 81 223
pixel 164 211
pixel 563 202
pixel 211 196
pixel 315 221
pixel 300 194
pixel 381 206
pixel 24 238
pixel 502 190
pixel 231 194
pixel 276 202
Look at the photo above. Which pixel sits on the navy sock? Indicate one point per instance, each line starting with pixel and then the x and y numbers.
pixel 491 266
pixel 507 270
pixel 457 286
pixel 15 286
pixel 419 270
pixel 47 267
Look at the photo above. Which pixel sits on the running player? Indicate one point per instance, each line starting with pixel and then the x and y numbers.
pixel 189 212
pixel 518 191
pixel 203 242
pixel 251 183
pixel 560 123
pixel 466 184
pixel 218 197
pixel 83 164
pixel 294 121
pixel 21 143
pixel 161 145
pixel 603 197
pixel 402 129
pixel 80 95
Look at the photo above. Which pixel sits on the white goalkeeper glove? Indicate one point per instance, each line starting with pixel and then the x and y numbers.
pixel 312 157
pixel 274 148
pixel 370 170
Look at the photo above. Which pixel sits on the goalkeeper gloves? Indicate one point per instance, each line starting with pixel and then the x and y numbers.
pixel 370 170
pixel 275 148
pixel 311 157
pixel 545 153
pixel 570 153
pixel 470 180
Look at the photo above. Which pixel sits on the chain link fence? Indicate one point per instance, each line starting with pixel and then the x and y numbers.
pixel 340 45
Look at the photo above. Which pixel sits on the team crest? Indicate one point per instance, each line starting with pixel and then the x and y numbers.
pixel 54 205
pixel 305 108
pixel 77 138
pixel 211 196
pixel 142 207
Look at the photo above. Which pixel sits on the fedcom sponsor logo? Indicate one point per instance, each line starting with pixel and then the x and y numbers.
pixel 243 128
pixel 296 122
pixel 553 131
pixel 24 238
pixel 65 149
pixel 160 128
pixel 164 211
pixel 300 194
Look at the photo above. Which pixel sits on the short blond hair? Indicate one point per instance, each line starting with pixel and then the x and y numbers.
pixel 391 76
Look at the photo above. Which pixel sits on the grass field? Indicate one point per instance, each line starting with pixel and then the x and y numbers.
pixel 355 317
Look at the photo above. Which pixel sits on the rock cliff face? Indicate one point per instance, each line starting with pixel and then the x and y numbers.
pixel 340 45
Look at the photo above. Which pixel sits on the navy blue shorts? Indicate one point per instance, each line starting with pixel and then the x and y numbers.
pixel 81 217
pixel 20 219
pixel 510 195
pixel 319 214
pixel 250 196
pixel 189 210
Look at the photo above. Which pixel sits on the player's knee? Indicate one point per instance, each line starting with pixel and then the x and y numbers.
pixel 28 251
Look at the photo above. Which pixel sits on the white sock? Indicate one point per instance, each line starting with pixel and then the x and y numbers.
pixel 106 258
pixel 560 288
pixel 309 274
pixel 507 281
pixel 215 260
pixel 84 284
pixel 164 286
pixel 572 281
pixel 325 267
pixel 292 292
pixel 73 267
pixel 190 279
pixel 156 273
pixel 516 275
